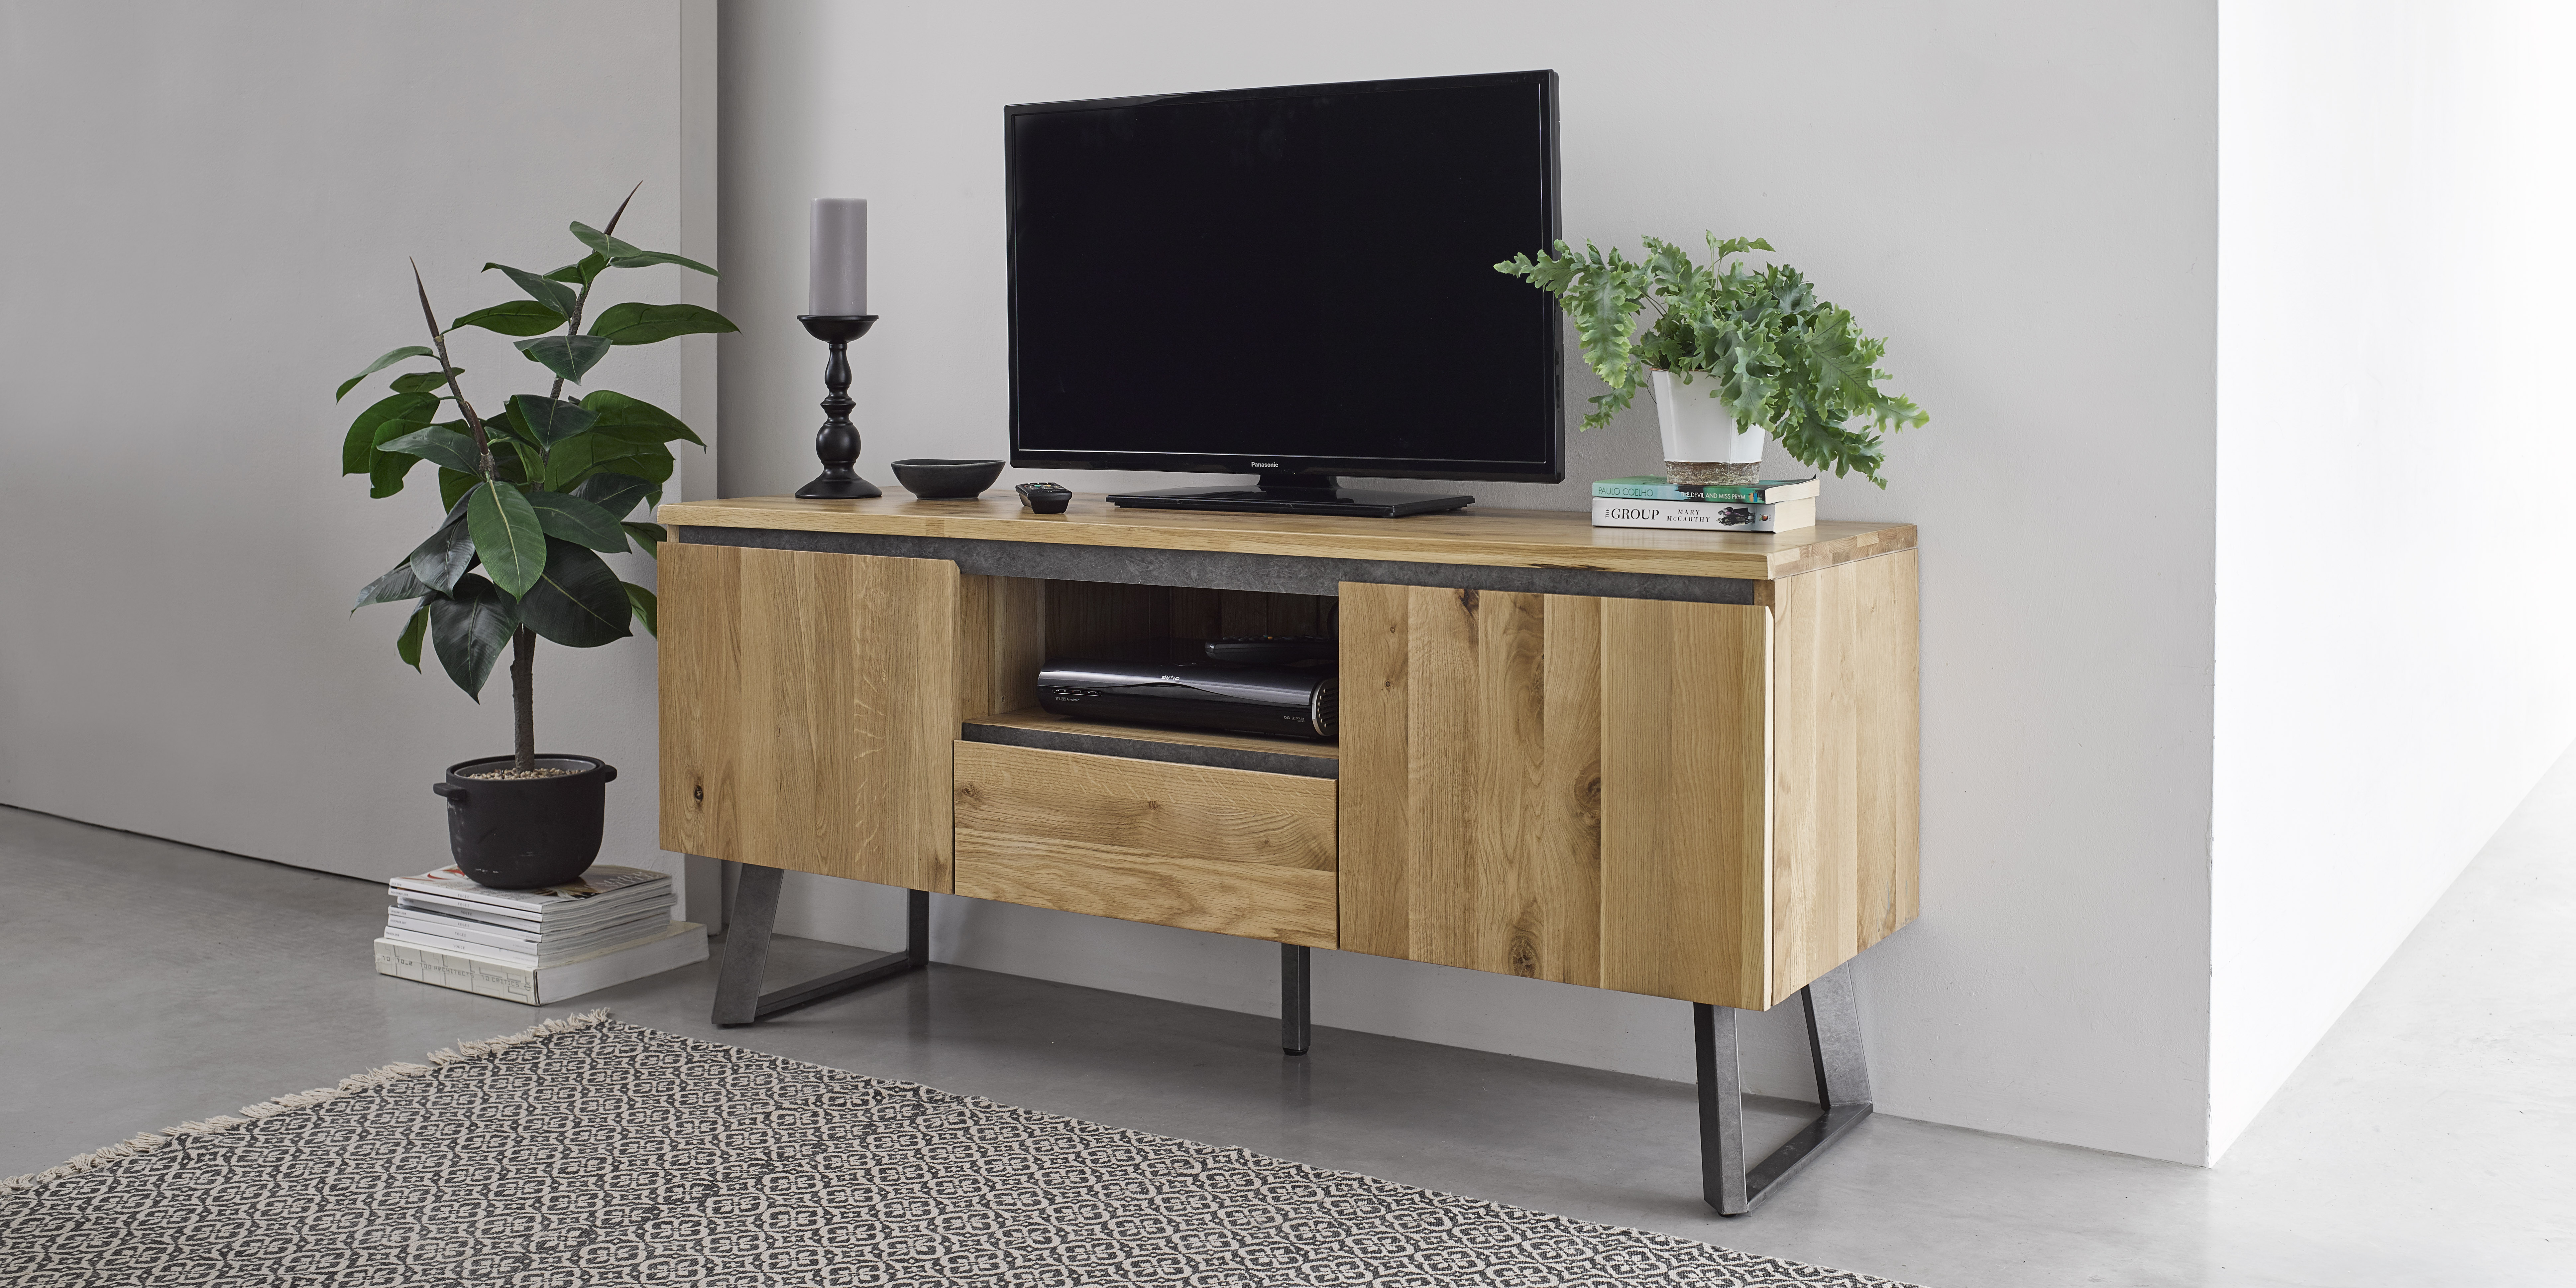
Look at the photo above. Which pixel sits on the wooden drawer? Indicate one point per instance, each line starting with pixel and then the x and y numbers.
pixel 1227 850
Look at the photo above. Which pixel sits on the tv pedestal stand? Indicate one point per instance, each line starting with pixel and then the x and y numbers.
pixel 1671 764
pixel 1286 493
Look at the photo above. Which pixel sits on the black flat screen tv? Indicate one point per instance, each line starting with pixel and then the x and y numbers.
pixel 1294 282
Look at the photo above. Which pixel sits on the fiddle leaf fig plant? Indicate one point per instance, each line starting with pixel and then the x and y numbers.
pixel 1763 344
pixel 534 492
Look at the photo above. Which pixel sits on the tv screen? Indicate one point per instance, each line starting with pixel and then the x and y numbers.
pixel 1290 280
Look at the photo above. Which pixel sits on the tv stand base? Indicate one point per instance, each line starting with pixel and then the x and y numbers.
pixel 739 1000
pixel 1294 494
pixel 754 912
pixel 1733 1183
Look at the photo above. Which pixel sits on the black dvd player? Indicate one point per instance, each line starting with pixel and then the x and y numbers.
pixel 1281 701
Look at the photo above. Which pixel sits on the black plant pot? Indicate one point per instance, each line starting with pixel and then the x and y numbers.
pixel 522 833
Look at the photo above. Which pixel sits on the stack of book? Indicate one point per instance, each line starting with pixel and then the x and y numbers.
pixel 535 946
pixel 1647 501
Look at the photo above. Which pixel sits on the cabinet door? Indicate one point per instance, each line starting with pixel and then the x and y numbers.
pixel 1471 779
pixel 1685 801
pixel 1557 786
pixel 808 704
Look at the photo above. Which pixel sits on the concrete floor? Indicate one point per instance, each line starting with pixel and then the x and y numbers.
pixel 2423 1144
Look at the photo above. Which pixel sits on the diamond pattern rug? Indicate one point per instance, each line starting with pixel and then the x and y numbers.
pixel 587 1151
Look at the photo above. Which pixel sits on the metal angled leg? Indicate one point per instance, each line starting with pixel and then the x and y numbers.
pixel 1842 1089
pixel 739 1000
pixel 1296 998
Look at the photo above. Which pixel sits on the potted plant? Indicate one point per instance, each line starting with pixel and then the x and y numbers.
pixel 1731 355
pixel 534 493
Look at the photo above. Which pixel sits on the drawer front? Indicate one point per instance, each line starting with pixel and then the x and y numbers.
pixel 1226 850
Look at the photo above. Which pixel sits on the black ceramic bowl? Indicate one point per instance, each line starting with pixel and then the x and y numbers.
pixel 947 480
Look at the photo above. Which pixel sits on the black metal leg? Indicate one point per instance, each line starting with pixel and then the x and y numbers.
pixel 1842 1089
pixel 1296 998
pixel 746 948
pixel 739 1000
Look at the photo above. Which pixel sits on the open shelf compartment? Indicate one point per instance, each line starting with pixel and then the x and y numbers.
pixel 1026 621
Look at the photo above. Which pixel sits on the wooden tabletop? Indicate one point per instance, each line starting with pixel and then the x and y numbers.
pixel 1477 535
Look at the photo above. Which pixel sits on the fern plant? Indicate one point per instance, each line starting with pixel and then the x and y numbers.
pixel 535 493
pixel 1763 344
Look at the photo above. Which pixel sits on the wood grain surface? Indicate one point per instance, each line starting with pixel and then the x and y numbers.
pixel 1001 637
pixel 1846 801
pixel 1226 850
pixel 1471 779
pixel 1685 790
pixel 808 701
pixel 1490 537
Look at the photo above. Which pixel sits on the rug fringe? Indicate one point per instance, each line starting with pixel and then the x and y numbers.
pixel 354 1083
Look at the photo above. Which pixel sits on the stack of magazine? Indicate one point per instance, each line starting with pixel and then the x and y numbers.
pixel 535 946
pixel 1647 501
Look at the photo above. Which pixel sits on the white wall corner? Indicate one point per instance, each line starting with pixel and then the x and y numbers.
pixel 2391 676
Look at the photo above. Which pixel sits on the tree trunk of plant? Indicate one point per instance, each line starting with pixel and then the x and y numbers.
pixel 523 698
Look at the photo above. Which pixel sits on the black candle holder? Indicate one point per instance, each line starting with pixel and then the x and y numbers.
pixel 837 442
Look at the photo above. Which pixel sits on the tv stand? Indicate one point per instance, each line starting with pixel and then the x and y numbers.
pixel 1676 764
pixel 1294 494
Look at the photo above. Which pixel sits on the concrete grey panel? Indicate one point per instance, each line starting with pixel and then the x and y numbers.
pixel 1215 570
pixel 1106 741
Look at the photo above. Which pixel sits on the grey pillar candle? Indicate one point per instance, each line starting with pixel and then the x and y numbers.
pixel 839 287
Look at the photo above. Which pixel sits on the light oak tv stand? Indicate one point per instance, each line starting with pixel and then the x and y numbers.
pixel 1673 763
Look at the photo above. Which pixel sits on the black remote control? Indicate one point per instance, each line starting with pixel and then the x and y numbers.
pixel 1272 650
pixel 1044 498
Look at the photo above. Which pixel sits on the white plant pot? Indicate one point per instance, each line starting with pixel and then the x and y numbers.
pixel 1701 442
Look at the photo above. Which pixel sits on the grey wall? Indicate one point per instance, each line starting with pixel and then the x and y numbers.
pixel 2021 193
pixel 208 210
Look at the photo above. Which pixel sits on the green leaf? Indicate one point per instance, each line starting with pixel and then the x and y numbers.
pixel 583 273
pixel 446 555
pixel 567 356
pixel 551 420
pixel 424 382
pixel 632 323
pixel 407 644
pixel 397 583
pixel 625 254
pixel 615 493
pixel 554 295
pixel 577 459
pixel 407 351
pixel 518 317
pixel 470 626
pixel 507 535
pixel 601 243
pixel 453 485
pixel 649 258
pixel 357 451
pixel 526 463
pixel 438 443
pixel 635 419
pixel 578 602
pixel 511 423
pixel 578 521
pixel 646 607
pixel 650 536
pixel 390 470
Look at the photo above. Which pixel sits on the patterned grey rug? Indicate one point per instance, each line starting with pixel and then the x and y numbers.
pixel 586 1151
